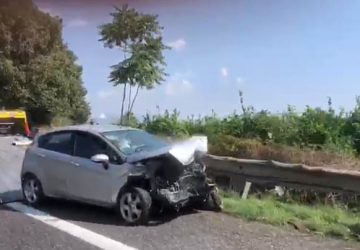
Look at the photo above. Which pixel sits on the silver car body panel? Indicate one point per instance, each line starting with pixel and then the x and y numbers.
pixel 76 178
pixel 70 177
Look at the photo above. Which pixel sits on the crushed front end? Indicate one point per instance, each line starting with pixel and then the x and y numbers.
pixel 178 185
pixel 176 177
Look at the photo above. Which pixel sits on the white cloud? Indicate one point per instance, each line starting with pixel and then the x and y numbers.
pixel 78 22
pixel 224 72
pixel 240 81
pixel 175 87
pixel 102 116
pixel 104 94
pixel 178 44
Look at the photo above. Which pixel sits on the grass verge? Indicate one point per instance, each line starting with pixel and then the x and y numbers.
pixel 324 220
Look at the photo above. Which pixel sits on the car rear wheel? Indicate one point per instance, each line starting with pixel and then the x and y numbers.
pixel 134 205
pixel 32 190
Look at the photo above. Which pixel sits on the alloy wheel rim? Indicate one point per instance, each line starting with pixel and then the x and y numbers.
pixel 31 189
pixel 130 206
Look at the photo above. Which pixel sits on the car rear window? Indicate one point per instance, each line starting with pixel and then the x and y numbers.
pixel 58 142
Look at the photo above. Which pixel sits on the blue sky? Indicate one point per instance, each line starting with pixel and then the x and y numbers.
pixel 277 52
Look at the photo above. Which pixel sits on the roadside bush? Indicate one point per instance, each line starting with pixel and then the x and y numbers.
pixel 315 136
pixel 167 124
pixel 227 145
pixel 59 121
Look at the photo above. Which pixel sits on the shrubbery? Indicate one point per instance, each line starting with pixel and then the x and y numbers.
pixel 314 129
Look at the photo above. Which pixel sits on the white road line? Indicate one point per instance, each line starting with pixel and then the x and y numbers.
pixel 86 235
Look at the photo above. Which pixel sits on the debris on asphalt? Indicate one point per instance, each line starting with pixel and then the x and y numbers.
pixel 21 141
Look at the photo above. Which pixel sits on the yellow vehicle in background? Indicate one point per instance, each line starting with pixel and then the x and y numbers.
pixel 14 122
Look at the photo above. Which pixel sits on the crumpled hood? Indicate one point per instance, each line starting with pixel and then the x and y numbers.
pixel 184 151
pixel 143 155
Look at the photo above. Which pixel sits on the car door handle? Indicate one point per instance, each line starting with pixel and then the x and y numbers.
pixel 75 164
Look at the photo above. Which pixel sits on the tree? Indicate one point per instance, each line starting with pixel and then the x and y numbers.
pixel 130 121
pixel 37 71
pixel 352 126
pixel 139 37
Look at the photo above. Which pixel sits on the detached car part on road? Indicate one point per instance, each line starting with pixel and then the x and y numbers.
pixel 120 167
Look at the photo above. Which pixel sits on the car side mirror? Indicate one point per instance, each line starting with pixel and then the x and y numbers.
pixel 101 158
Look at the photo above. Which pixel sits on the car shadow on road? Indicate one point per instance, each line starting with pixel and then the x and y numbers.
pixel 75 211
pixel 10 196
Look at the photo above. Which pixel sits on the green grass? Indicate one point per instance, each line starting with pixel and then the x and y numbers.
pixel 325 220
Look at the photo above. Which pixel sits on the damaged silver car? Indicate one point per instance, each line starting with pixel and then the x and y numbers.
pixel 120 167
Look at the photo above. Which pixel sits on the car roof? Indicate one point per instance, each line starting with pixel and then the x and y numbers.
pixel 96 128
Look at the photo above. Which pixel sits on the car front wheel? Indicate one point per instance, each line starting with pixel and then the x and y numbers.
pixel 134 205
pixel 32 190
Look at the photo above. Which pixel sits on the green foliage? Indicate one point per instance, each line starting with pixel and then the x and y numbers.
pixel 352 126
pixel 37 71
pixel 138 35
pixel 59 121
pixel 313 129
pixel 130 120
pixel 326 220
pixel 168 124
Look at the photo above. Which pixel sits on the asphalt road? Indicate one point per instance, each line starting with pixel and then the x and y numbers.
pixel 189 230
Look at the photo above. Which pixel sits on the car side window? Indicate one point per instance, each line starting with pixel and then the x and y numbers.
pixel 87 145
pixel 61 142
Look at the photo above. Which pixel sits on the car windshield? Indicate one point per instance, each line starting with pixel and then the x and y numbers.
pixel 133 141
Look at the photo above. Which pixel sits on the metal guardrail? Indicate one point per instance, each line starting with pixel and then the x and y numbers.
pixel 234 173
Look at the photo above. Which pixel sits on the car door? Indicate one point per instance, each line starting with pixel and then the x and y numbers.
pixel 91 181
pixel 54 155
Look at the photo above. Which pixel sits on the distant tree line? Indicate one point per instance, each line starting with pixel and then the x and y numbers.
pixel 37 70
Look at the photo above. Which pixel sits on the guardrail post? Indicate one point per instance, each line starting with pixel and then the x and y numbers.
pixel 246 190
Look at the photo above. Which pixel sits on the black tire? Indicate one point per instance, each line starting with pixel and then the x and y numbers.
pixel 38 195
pixel 129 207
pixel 212 201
